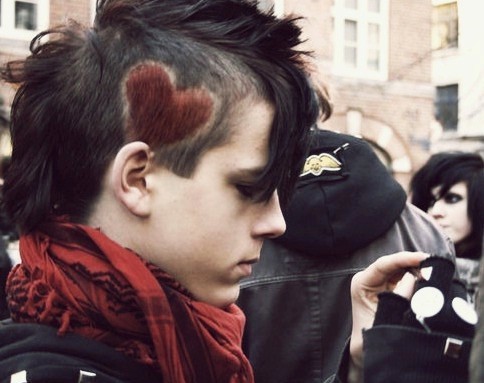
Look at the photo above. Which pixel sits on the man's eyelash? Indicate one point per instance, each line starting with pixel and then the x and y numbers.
pixel 247 191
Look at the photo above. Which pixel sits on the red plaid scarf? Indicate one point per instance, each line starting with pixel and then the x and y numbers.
pixel 75 278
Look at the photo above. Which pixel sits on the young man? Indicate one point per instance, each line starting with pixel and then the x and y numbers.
pixel 149 156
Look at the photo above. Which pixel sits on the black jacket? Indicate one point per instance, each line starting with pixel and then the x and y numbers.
pixel 38 353
pixel 297 300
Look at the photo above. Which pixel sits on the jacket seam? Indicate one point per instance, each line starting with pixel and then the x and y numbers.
pixel 286 278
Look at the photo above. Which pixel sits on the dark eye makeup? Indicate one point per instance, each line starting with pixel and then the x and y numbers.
pixel 452 198
pixel 449 198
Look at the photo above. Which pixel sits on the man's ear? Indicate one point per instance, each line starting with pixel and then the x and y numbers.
pixel 128 177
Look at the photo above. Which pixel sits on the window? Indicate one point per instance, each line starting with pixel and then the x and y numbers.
pixel 22 19
pixel 361 38
pixel 447 107
pixel 445 26
pixel 350 42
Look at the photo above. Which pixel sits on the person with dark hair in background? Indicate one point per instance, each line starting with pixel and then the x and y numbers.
pixel 149 155
pixel 347 211
pixel 450 188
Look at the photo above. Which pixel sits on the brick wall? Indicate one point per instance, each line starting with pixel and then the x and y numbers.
pixel 396 113
pixel 410 40
pixel 60 11
pixel 401 107
pixel 80 10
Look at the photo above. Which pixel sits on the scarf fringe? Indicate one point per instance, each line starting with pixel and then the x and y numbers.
pixel 78 280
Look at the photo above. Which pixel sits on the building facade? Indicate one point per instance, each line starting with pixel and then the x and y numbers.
pixel 393 68
pixel 20 21
pixel 405 75
pixel 375 57
pixel 458 74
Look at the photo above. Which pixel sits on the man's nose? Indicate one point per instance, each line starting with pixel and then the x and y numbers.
pixel 271 223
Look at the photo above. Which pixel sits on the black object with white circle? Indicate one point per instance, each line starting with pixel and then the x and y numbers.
pixel 427 339
pixel 440 302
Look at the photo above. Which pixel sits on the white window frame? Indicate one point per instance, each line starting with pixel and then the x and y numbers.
pixel 436 3
pixel 279 8
pixel 93 10
pixel 7 27
pixel 363 18
pixel 276 5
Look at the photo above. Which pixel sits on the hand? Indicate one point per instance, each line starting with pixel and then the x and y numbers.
pixel 385 274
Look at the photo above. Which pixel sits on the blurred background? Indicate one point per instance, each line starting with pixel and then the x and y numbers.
pixel 406 75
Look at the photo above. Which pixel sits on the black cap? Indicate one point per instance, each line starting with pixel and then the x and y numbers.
pixel 345 198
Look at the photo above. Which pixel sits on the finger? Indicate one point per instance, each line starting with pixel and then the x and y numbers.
pixel 405 286
pixel 385 268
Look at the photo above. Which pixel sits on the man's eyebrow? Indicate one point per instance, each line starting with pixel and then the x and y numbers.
pixel 249 172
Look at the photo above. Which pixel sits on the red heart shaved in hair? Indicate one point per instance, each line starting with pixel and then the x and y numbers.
pixel 158 112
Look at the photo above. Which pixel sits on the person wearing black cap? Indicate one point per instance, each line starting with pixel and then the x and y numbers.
pixel 347 211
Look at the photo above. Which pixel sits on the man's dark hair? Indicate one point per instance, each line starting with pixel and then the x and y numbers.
pixel 83 91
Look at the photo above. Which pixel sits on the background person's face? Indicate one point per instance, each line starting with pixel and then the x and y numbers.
pixel 450 212
pixel 206 230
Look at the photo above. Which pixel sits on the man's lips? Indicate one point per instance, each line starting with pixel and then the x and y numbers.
pixel 246 266
pixel 250 261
